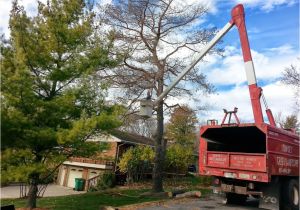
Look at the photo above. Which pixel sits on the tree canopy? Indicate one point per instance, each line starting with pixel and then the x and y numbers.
pixel 51 101
pixel 181 129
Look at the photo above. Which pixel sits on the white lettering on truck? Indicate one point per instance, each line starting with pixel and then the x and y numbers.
pixel 283 161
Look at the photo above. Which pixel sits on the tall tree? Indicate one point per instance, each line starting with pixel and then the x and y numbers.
pixel 157 38
pixel 50 101
pixel 181 128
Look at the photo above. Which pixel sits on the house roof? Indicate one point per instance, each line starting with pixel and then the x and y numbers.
pixel 132 138
pixel 122 136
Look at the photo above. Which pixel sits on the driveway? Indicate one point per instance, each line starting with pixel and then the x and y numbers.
pixel 51 190
pixel 205 203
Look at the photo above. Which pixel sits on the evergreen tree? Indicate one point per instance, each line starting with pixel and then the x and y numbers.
pixel 51 101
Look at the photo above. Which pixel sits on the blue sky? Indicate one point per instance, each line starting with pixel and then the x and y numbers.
pixel 273 30
pixel 266 28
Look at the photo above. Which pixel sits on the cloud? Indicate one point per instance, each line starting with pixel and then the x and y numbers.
pixel 266 5
pixel 279 97
pixel 30 7
pixel 268 64
pixel 282 50
pixel 4 16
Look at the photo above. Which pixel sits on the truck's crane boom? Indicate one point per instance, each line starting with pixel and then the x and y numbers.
pixel 238 19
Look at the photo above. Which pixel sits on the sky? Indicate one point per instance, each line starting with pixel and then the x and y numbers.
pixel 273 30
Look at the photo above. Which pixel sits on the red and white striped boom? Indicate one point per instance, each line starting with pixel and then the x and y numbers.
pixel 238 19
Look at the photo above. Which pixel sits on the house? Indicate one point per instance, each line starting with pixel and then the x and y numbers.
pixel 91 168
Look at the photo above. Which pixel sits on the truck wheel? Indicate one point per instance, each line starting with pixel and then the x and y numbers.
pixel 290 196
pixel 232 198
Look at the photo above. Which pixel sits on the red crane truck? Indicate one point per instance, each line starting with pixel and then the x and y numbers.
pixel 256 159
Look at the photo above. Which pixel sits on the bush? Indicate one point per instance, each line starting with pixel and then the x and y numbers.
pixel 107 180
pixel 136 161
pixel 178 158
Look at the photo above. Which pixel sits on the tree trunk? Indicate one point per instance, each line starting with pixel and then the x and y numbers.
pixel 159 146
pixel 32 194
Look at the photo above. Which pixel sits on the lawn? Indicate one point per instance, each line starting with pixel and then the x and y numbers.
pixel 87 201
pixel 113 197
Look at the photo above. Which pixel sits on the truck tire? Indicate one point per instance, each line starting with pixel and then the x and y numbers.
pixel 290 195
pixel 233 198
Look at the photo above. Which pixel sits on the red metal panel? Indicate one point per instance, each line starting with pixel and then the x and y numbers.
pixel 248 162
pixel 279 146
pixel 283 152
pixel 234 160
pixel 216 159
pixel 202 150
pixel 283 165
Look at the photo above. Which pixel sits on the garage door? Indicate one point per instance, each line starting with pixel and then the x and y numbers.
pixel 74 173
pixel 93 173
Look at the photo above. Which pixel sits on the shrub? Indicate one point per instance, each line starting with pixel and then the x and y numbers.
pixel 136 161
pixel 178 158
pixel 107 180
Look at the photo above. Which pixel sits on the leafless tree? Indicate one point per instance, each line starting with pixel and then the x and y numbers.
pixel 157 39
pixel 133 123
pixel 291 77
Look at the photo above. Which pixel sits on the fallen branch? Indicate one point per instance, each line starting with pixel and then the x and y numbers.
pixel 196 194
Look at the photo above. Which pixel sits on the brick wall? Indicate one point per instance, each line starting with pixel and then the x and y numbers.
pixel 108 154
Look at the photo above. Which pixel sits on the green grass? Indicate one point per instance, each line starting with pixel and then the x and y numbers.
pixel 87 201
pixel 92 200
pixel 188 183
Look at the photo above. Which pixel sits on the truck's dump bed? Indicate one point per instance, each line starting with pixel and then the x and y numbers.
pixel 247 151
pixel 240 161
pixel 248 139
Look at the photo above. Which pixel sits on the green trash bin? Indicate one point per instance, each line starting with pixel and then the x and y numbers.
pixel 79 184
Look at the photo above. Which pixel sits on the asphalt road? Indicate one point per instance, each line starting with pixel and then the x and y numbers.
pixel 206 203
